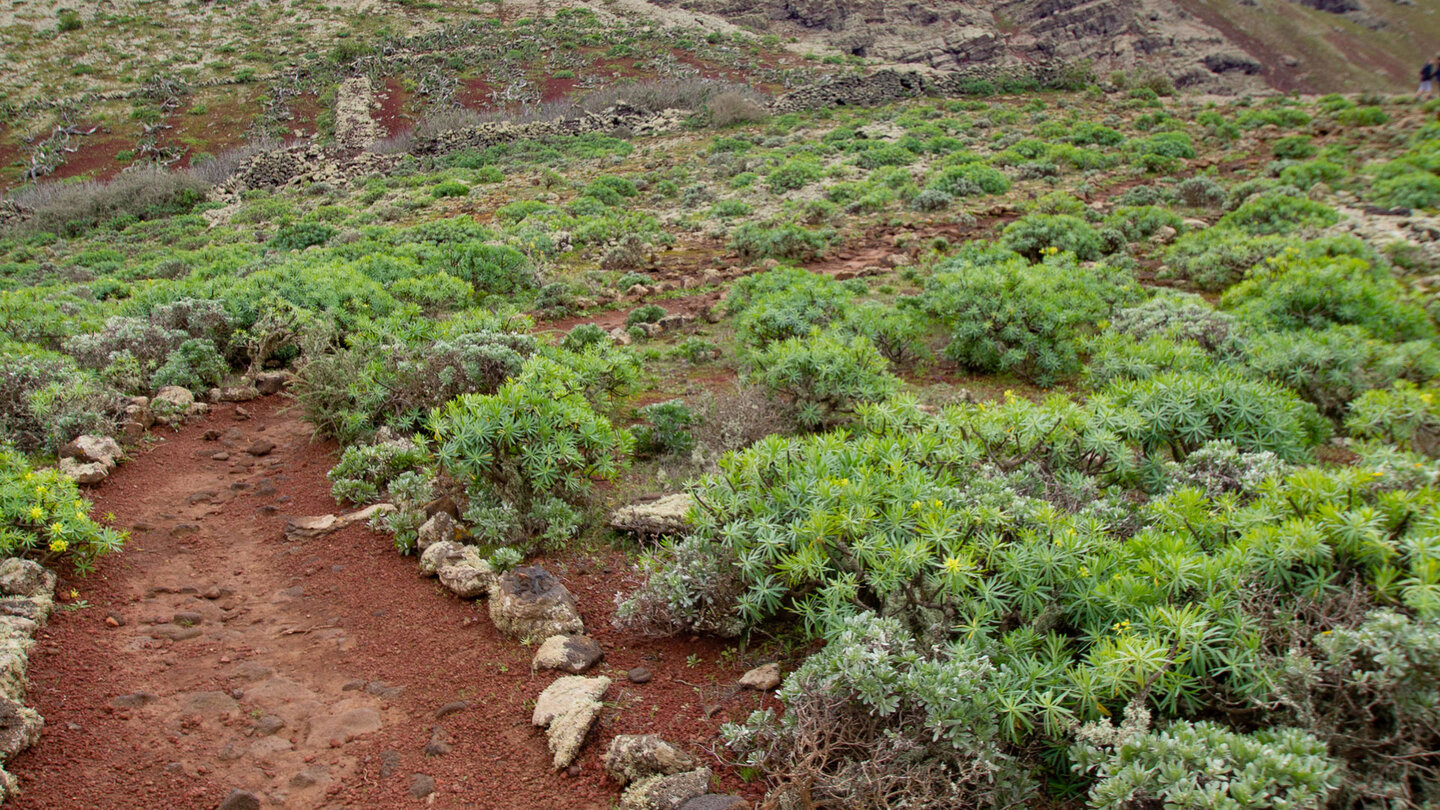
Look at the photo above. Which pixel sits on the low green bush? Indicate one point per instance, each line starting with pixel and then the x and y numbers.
pixel 665 429
pixel 970 180
pixel 1279 214
pixel 1016 317
pixel 365 471
pixel 825 376
pixel 527 454
pixel 1037 235
pixel 754 241
pixel 1297 292
pixel 43 516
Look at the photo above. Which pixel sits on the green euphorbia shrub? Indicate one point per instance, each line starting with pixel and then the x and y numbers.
pixel 1296 292
pixel 666 429
pixel 785 303
pixel 1180 411
pixel 528 453
pixel 1012 316
pixel 43 516
pixel 1036 235
pixel 825 376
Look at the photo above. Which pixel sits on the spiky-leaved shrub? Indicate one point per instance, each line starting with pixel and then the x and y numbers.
pixel 1296 292
pixel 43 516
pixel 1402 414
pixel 785 303
pixel 825 376
pixel 1012 316
pixel 528 453
pixel 195 364
pixel 665 430
pixel 45 401
pixel 1177 412
pixel 874 722
pixel 1036 235
pixel 1332 367
pixel 1279 213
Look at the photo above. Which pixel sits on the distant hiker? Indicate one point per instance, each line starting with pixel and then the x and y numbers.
pixel 1428 78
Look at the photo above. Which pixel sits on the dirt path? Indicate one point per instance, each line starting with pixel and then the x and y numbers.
pixel 313 673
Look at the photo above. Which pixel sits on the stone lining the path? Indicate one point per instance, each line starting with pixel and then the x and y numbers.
pixel 27 598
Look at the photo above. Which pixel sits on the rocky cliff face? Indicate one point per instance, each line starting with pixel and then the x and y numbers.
pixel 1184 39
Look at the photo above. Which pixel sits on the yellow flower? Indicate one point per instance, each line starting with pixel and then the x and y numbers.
pixel 29 476
pixel 74 594
pixel 1084 570
pixel 40 490
pixel 58 546
pixel 952 566
pixel 56 528
pixel 36 513
pixel 915 506
pixel 79 515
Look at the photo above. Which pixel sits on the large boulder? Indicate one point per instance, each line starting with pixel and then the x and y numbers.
pixel 529 603
pixel 566 709
pixel 661 517
pixel 572 654
pixel 666 792
pixel 89 459
pixel 632 757
pixel 20 577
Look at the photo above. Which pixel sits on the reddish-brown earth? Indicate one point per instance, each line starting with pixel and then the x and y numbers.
pixel 392 116
pixel 316 668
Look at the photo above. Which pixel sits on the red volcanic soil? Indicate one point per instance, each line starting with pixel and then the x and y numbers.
pixel 94 155
pixel 304 112
pixel 215 654
pixel 475 94
pixel 392 116
pixel 557 89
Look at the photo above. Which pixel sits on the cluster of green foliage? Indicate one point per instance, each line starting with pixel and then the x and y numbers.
pixel 44 516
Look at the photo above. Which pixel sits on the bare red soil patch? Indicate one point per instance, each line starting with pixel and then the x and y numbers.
pixel 311 672
pixel 476 94
pixel 392 116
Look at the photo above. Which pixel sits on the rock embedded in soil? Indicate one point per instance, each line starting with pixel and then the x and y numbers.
pixel 716 801
pixel 271 382
pixel 93 449
pixel 639 675
pixel 566 709
pixel 422 786
pixel 82 473
pixel 632 757
pixel 240 800
pixel 19 728
pixel 666 792
pixel 451 708
pixel 662 517
pixel 572 654
pixel 262 447
pixel 470 579
pixel 438 528
pixel 20 577
pixel 529 603
pixel 762 679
